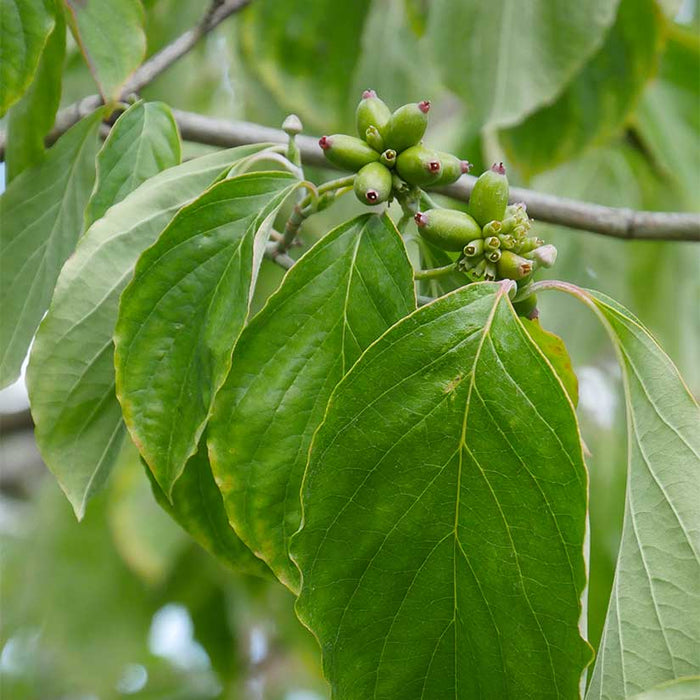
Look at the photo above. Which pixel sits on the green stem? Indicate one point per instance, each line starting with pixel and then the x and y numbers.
pixel 427 202
pixel 435 272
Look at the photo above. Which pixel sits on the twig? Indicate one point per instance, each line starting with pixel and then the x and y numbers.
pixel 218 11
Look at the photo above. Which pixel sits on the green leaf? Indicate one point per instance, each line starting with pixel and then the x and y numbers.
pixel 42 216
pixel 595 105
pixel 183 311
pixel 142 142
pixel 652 630
pixel 305 54
pixel 505 58
pixel 554 349
pixel 668 118
pixel 31 119
pixel 111 38
pixel 198 507
pixel 444 514
pixel 24 27
pixel 78 423
pixel 345 292
pixel 682 689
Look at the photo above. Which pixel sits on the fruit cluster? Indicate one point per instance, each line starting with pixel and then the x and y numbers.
pixel 492 237
pixel 389 154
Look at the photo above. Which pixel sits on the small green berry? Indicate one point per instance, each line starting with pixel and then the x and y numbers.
pixel 448 229
pixel 489 196
pixel 452 168
pixel 419 166
pixel 407 126
pixel 373 184
pixel 371 111
pixel 474 248
pixel 513 266
pixel 347 152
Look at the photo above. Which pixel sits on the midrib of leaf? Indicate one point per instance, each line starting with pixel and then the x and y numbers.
pixel 346 325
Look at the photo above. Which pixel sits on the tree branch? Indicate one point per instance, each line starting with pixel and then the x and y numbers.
pixel 148 71
pixel 608 221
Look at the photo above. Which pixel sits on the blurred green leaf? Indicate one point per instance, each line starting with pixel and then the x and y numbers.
pixel 112 56
pixel 597 102
pixel 143 141
pixel 668 118
pixel 441 549
pixel 344 293
pixel 388 56
pixel 652 631
pixel 197 505
pixel 72 356
pixel 31 119
pixel 42 218
pixel 680 689
pixel 305 54
pixel 180 316
pixel 505 59
pixel 24 27
pixel 147 539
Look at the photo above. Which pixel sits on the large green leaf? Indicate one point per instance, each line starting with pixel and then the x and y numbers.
pixel 343 294
pixel 444 513
pixel 111 37
pixel 24 28
pixel 668 118
pixel 652 631
pixel 305 54
pixel 507 58
pixel 142 142
pixel 197 505
pixel 32 117
pixel 681 689
pixel 79 428
pixel 183 311
pixel 42 218
pixel 595 105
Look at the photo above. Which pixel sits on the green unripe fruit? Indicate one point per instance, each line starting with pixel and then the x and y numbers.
pixel 448 229
pixel 474 248
pixel 371 112
pixel 388 158
pixel 419 166
pixel 489 198
pixel 407 125
pixel 374 138
pixel 452 168
pixel 347 152
pixel 513 266
pixel 373 184
pixel 527 307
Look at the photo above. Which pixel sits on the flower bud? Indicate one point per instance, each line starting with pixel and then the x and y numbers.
pixel 292 125
pixel 373 184
pixel 544 256
pixel 507 241
pixel 374 138
pixel 493 255
pixel 371 112
pixel 347 152
pixel 448 229
pixel 492 242
pixel 527 245
pixel 474 248
pixel 513 266
pixel 490 272
pixel 388 158
pixel 407 126
pixel 493 228
pixel 489 196
pixel 419 166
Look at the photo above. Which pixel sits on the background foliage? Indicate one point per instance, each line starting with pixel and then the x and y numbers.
pixel 600 104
